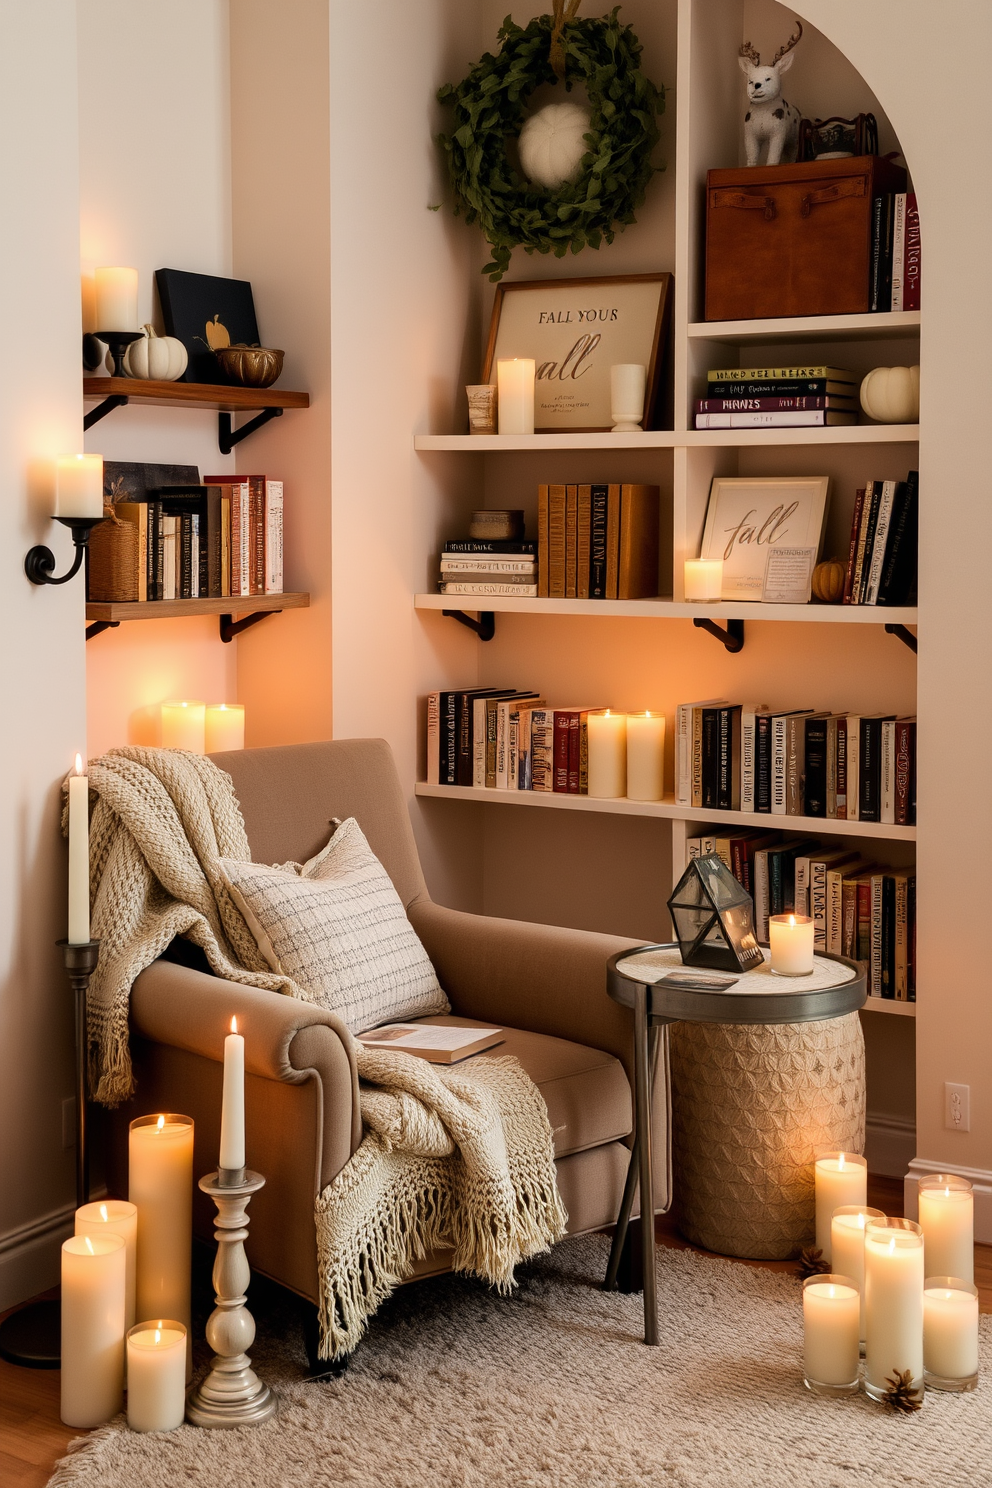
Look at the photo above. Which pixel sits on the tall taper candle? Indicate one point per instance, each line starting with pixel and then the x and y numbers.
pixel 94 1272
pixel 79 856
pixel 232 1111
pixel 160 1152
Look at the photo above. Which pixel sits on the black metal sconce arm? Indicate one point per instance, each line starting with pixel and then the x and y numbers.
pixel 39 565
pixel 732 637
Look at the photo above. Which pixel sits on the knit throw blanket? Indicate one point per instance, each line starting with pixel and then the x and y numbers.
pixel 460 1157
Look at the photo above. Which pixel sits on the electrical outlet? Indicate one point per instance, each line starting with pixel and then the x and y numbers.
pixel 68 1123
pixel 957 1107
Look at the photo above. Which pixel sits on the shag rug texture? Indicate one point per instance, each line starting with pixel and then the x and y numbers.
pixel 455 1386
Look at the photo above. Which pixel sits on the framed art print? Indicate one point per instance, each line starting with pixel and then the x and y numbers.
pixel 746 517
pixel 576 330
pixel 204 311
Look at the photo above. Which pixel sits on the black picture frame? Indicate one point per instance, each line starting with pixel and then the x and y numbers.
pixel 191 302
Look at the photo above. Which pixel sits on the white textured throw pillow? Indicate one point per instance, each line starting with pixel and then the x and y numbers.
pixel 339 929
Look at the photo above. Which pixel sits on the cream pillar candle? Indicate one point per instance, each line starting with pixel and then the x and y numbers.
pixel 950 1333
pixel 831 1346
pixel 790 938
pixel 841 1179
pixel 847 1247
pixel 160 1152
pixel 232 1111
pixel 645 756
pixel 607 771
pixel 184 725
pixel 94 1278
pixel 79 856
pixel 116 299
pixel 893 1302
pixel 115 1217
pixel 947 1218
pixel 79 486
pixel 515 395
pixel 703 580
pixel 156 1375
pixel 224 727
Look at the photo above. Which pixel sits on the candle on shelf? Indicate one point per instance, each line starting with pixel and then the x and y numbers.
pixel 79 486
pixel 224 727
pixel 607 770
pixel 515 395
pixel 94 1279
pixel 893 1303
pixel 116 299
pixel 79 856
pixel 184 725
pixel 831 1344
pixel 841 1179
pixel 156 1375
pixel 628 381
pixel 160 1154
pixel 950 1333
pixel 645 756
pixel 947 1219
pixel 703 579
pixel 791 940
pixel 847 1247
pixel 232 1111
pixel 115 1217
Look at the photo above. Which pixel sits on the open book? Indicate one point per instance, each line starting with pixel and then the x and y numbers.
pixel 440 1043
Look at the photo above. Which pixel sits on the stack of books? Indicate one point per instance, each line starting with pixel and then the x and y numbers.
pixel 778 398
pixel 882 561
pixel 895 252
pixel 507 739
pixel 862 910
pixel 843 767
pixel 598 541
pixel 481 567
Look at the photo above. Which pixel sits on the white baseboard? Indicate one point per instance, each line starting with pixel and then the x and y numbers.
pixel 890 1145
pixel 30 1255
pixel 980 1178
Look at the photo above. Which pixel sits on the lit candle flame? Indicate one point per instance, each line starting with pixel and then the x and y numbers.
pixel 160 1123
pixel 79 764
pixel 792 919
pixel 103 1213
pixel 234 1025
pixel 158 1335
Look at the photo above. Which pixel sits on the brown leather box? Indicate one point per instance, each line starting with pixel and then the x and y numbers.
pixel 793 239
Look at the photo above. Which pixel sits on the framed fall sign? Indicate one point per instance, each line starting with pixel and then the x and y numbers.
pixel 576 330
pixel 745 518
pixel 204 311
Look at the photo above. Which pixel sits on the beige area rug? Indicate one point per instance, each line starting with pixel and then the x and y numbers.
pixel 457 1388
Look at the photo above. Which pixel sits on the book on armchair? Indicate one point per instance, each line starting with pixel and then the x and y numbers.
pixel 439 1042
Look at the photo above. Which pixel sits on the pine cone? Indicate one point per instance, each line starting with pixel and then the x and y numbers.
pixel 811 1263
pixel 901 1396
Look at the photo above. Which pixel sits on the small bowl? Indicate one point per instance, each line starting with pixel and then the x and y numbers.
pixel 251 366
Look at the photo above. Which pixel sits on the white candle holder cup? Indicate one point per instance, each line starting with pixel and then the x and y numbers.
pixel 950 1334
pixel 628 383
pixel 831 1345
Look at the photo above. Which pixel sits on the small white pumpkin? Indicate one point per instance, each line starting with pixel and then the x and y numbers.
pixel 161 358
pixel 892 395
pixel 551 144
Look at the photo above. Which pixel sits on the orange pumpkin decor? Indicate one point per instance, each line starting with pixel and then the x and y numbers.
pixel 828 581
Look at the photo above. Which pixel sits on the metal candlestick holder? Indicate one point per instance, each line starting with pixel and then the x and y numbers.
pixel 118 342
pixel 232 1393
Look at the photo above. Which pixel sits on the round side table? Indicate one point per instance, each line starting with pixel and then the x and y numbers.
pixel 835 988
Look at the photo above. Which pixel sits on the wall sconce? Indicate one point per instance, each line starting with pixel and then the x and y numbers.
pixel 78 506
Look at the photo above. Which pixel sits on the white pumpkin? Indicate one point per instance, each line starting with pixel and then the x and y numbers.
pixel 551 144
pixel 892 395
pixel 161 358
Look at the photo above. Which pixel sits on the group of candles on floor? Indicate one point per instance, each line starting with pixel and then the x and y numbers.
pixel 131 1260
pixel 900 1292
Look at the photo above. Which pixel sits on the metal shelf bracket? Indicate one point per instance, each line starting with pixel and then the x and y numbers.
pixel 227 437
pixel 902 634
pixel 484 627
pixel 230 628
pixel 116 400
pixel 98 626
pixel 732 637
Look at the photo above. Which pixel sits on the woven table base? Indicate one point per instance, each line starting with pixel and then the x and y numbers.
pixel 751 1107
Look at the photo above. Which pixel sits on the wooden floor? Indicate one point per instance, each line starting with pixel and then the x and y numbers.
pixel 32 1438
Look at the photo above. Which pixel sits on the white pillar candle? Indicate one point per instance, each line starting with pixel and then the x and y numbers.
pixel 94 1278
pixel 950 1333
pixel 160 1153
pixel 628 381
pixel 893 1303
pixel 79 486
pixel 790 938
pixel 224 727
pixel 115 1217
pixel 184 725
pixel 847 1247
pixel 645 756
pixel 515 395
pixel 841 1179
pixel 607 773
pixel 116 299
pixel 831 1343
pixel 79 856
pixel 947 1218
pixel 703 580
pixel 232 1111
pixel 156 1375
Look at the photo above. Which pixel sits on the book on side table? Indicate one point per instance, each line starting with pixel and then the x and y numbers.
pixel 438 1042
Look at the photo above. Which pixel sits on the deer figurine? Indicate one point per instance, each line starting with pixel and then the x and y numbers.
pixel 769 119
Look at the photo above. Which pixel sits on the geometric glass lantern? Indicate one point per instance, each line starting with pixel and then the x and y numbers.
pixel 714 918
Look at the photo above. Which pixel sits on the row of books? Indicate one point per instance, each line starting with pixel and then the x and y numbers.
pixel 212 540
pixel 844 767
pixel 778 398
pixel 859 909
pixel 597 541
pixel 882 560
pixel 506 739
pixel 895 252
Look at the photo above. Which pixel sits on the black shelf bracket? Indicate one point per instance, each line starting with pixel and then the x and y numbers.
pixel 99 626
pixel 732 637
pixel 227 437
pixel 116 400
pixel 230 628
pixel 484 627
pixel 902 634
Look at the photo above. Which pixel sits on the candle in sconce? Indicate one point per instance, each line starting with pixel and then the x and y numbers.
pixel 116 299
pixel 79 856
pixel 893 1303
pixel 79 486
pixel 607 769
pixel 115 1217
pixel 156 1375
pixel 224 727
pixel 645 756
pixel 515 395
pixel 841 1180
pixel 950 1333
pixel 831 1344
pixel 184 725
pixel 232 1113
pixel 847 1246
pixel 94 1280
pixel 790 938
pixel 947 1219
pixel 703 580
pixel 160 1159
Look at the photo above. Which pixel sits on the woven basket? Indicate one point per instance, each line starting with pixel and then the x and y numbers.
pixel 751 1107
pixel 112 569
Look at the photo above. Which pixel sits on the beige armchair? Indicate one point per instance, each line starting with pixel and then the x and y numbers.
pixel 545 986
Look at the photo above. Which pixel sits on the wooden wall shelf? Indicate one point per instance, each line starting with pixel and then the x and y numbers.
pixel 265 403
pixel 106 615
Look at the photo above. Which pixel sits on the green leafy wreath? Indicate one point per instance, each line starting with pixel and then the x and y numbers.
pixel 490 108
